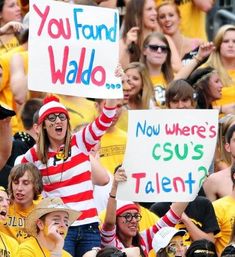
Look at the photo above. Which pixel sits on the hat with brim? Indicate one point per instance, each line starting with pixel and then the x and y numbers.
pixel 5 112
pixel 163 237
pixel 46 206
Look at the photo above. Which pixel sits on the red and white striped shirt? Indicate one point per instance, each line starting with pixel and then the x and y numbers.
pixel 109 238
pixel 70 179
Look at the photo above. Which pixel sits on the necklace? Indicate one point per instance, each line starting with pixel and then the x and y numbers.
pixel 40 248
pixel 61 174
pixel 4 245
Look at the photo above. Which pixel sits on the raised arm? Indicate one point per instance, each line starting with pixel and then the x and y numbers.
pixel 6 141
pixel 18 79
pixel 110 217
pixel 203 5
pixel 204 51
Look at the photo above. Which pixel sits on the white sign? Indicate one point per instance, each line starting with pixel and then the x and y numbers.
pixel 168 154
pixel 73 49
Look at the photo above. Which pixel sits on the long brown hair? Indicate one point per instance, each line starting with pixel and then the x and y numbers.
pixel 43 143
pixel 166 67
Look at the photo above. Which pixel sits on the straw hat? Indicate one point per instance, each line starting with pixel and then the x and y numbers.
pixel 48 205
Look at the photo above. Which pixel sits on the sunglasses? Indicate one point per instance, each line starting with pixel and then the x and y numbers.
pixel 154 48
pixel 52 117
pixel 129 216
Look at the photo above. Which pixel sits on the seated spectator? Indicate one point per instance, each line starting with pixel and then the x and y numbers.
pixel 25 187
pixel 168 241
pixel 113 251
pixel 224 210
pixel 222 59
pixel 219 184
pixel 207 85
pixel 198 220
pixel 48 225
pixel 120 228
pixel 8 245
pixel 202 248
pixel 180 95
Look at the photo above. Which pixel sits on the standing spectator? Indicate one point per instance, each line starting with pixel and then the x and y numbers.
pixel 63 160
pixel 193 16
pixel 169 19
pixel 9 11
pixel 5 134
pixel 140 20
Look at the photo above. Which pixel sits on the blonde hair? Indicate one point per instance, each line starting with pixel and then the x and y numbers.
pixel 225 123
pixel 146 94
pixel 215 57
pixel 43 143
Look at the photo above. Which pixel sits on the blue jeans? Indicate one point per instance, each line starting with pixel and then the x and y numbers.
pixel 81 239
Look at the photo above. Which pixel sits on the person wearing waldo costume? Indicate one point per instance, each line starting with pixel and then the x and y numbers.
pixel 121 223
pixel 8 245
pixel 48 225
pixel 63 160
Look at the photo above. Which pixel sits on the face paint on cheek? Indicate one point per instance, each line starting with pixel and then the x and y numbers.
pixel 45 230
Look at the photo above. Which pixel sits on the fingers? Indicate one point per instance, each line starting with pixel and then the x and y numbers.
pixel 120 175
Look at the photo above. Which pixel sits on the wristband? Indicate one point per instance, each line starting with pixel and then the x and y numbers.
pixel 112 196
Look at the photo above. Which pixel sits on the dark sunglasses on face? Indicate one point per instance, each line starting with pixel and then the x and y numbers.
pixel 129 216
pixel 154 48
pixel 52 117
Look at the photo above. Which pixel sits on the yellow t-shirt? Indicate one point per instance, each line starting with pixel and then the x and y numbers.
pixel 8 246
pixel 228 92
pixel 122 122
pixel 81 110
pixel 31 248
pixel 8 46
pixel 15 223
pixel 159 85
pixel 112 148
pixel 193 20
pixel 6 95
pixel 225 214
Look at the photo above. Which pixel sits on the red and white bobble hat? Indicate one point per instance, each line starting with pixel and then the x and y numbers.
pixel 51 104
pixel 123 206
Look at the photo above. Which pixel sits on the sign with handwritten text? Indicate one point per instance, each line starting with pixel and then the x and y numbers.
pixel 168 154
pixel 73 49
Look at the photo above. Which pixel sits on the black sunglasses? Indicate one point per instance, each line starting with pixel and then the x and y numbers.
pixel 52 117
pixel 129 216
pixel 155 48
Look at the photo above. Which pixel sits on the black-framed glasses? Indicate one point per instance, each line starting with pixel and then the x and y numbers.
pixel 52 117
pixel 154 48
pixel 129 216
